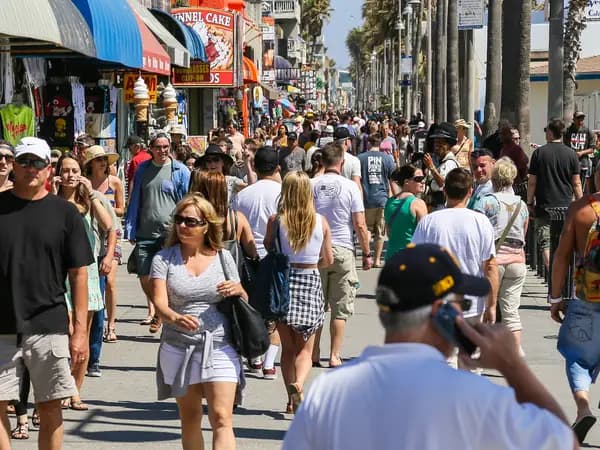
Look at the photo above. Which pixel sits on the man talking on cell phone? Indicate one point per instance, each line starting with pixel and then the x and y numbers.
pixel 449 409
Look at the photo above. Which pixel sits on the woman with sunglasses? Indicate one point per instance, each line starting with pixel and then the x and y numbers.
pixel 97 165
pixel 188 281
pixel 7 156
pixel 404 210
pixel 70 184
pixel 304 236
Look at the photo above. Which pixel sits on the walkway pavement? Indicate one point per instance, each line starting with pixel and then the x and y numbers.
pixel 124 412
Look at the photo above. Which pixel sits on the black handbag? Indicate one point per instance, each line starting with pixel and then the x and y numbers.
pixel 132 261
pixel 271 294
pixel 249 335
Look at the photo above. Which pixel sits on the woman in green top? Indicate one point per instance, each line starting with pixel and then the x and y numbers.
pixel 404 210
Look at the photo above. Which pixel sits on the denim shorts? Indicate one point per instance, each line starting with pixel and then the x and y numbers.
pixel 146 249
pixel 578 342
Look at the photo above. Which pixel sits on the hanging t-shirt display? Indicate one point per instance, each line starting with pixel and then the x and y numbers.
pixel 58 125
pixel 100 122
pixel 18 121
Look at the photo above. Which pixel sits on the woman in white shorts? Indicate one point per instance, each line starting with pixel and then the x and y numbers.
pixel 195 358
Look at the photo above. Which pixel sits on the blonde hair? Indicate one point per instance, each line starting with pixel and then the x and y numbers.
pixel 504 173
pixel 297 209
pixel 214 233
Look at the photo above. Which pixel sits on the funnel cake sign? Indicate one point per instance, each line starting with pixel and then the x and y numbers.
pixel 216 30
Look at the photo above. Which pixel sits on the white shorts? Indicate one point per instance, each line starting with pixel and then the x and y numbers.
pixel 225 365
pixel 10 368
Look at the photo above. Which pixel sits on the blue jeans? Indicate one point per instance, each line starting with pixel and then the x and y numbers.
pixel 579 343
pixel 97 330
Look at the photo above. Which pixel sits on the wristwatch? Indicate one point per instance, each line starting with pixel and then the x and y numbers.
pixel 552 301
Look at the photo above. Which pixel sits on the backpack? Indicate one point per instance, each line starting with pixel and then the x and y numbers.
pixel 587 271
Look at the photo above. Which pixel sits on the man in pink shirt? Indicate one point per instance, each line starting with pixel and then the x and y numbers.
pixel 135 144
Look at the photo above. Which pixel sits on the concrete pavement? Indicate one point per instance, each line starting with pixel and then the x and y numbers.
pixel 125 414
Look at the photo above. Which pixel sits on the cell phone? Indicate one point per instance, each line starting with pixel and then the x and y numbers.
pixel 445 322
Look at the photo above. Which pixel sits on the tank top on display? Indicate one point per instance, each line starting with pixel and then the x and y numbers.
pixel 311 253
pixel 462 155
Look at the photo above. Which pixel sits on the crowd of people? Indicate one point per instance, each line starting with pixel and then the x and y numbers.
pixel 445 220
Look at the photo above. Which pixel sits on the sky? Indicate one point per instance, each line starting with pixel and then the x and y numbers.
pixel 345 16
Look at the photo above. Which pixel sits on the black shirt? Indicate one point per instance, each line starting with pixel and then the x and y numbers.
pixel 554 165
pixel 39 242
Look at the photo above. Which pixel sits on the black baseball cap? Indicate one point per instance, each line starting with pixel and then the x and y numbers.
pixel 420 274
pixel 266 160
pixel 341 133
pixel 292 136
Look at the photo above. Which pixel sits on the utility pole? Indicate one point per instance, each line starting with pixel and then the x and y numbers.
pixel 555 59
pixel 400 76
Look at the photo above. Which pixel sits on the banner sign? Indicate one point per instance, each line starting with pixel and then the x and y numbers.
pixel 151 81
pixel 216 29
pixel 269 49
pixel 197 75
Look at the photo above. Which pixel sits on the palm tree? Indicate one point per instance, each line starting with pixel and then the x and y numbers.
pixel 524 74
pixel 574 26
pixel 493 74
pixel 452 62
pixel 314 15
pixel 440 61
pixel 511 44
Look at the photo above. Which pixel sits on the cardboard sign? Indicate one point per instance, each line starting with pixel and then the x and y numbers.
pixel 151 81
pixel 216 28
pixel 197 75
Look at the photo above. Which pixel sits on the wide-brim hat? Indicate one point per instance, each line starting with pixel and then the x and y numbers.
pixel 462 123
pixel 444 130
pixel 97 151
pixel 215 150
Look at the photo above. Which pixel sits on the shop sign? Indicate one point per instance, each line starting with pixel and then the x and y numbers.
pixel 151 81
pixel 269 49
pixel 216 29
pixel 198 74
pixel 471 14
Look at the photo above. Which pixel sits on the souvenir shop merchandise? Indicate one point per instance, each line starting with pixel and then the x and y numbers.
pixel 18 121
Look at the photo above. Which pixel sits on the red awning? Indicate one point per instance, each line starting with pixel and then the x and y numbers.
pixel 155 59
pixel 250 71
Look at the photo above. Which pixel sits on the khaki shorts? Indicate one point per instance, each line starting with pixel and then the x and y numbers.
pixel 46 356
pixel 375 223
pixel 340 283
pixel 10 368
pixel 542 232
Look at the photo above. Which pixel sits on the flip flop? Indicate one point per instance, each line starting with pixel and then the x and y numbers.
pixel 582 426
pixel 147 320
pixel 21 431
pixel 78 406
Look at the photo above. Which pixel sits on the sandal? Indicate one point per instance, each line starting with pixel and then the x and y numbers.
pixel 65 403
pixel 35 419
pixel 289 408
pixel 296 395
pixel 21 431
pixel 78 405
pixel 110 336
pixel 147 321
pixel 155 325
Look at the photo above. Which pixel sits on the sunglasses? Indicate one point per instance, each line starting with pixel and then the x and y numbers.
pixel 190 222
pixel 418 179
pixel 36 163
pixel 7 157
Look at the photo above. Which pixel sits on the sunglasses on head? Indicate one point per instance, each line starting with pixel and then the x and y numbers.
pixel 36 163
pixel 190 222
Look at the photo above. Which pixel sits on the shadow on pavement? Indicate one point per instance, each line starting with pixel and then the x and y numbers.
pixel 129 436
pixel 258 433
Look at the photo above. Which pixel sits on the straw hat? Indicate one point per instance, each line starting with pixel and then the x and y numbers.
pixel 462 123
pixel 96 151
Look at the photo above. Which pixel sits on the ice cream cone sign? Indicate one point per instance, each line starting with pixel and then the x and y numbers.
pixel 141 100
pixel 170 104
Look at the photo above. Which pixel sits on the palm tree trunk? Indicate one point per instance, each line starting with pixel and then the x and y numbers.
pixel 524 75
pixel 511 32
pixel 493 73
pixel 452 62
pixel 440 61
pixel 416 106
pixel 574 26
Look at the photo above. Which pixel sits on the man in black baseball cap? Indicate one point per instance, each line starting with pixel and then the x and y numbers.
pixel 406 387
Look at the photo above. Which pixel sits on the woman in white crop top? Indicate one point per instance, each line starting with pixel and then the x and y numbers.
pixel 304 236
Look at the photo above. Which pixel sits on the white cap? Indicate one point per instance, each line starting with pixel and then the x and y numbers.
pixel 33 146
pixel 421 124
pixel 329 129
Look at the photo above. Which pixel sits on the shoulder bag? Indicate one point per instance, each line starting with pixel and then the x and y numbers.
pixel 271 294
pixel 510 223
pixel 245 265
pixel 249 336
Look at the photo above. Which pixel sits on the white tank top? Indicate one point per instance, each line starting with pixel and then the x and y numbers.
pixel 309 254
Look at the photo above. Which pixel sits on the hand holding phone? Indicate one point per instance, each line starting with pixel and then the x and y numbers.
pixel 445 321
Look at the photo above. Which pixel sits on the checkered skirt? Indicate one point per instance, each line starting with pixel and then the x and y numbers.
pixel 305 314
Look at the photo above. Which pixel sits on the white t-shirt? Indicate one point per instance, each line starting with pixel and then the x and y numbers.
pixel 351 167
pixel 308 157
pixel 258 202
pixel 337 198
pixel 405 396
pixel 448 164
pixel 468 234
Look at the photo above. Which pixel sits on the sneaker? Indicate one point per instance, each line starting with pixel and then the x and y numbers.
pixel 255 365
pixel 94 371
pixel 270 374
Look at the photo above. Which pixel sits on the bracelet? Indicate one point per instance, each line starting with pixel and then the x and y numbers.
pixel 93 196
pixel 552 301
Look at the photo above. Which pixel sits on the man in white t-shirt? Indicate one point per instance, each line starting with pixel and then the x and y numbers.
pixel 258 202
pixel 340 201
pixel 468 234
pixel 403 395
pixel 351 167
